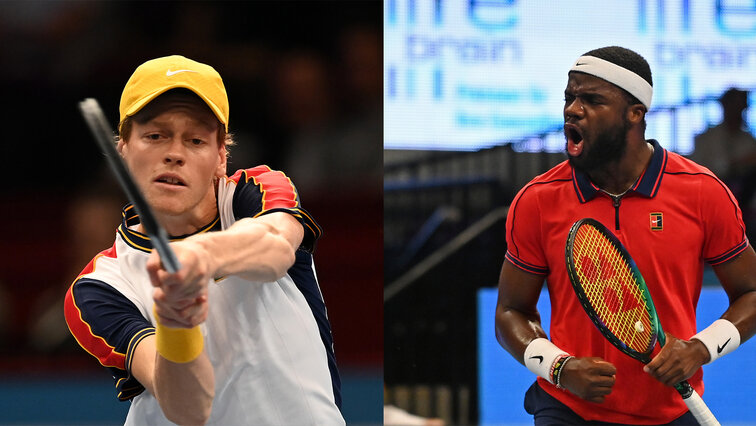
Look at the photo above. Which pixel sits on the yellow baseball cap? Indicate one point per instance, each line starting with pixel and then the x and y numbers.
pixel 155 77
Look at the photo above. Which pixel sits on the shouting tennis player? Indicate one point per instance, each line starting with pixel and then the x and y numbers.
pixel 239 335
pixel 671 214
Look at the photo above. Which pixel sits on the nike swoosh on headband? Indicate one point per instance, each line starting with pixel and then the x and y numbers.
pixel 617 75
pixel 170 73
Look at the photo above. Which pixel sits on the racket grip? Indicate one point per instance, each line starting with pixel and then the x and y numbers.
pixel 699 410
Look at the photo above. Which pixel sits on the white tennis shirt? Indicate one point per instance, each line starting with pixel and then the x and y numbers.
pixel 269 343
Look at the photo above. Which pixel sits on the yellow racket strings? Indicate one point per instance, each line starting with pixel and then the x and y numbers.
pixel 611 288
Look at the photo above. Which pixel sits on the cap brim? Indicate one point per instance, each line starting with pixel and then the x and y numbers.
pixel 141 103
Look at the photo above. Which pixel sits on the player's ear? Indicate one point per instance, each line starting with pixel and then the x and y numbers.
pixel 635 113
pixel 220 171
pixel 121 147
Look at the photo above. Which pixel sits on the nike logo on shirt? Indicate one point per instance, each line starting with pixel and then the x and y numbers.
pixel 721 348
pixel 170 73
pixel 540 358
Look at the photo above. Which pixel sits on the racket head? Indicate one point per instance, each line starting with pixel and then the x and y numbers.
pixel 611 289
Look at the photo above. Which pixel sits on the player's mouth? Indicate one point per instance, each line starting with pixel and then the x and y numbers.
pixel 170 179
pixel 574 137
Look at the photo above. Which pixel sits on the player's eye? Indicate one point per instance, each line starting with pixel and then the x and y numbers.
pixel 196 141
pixel 153 136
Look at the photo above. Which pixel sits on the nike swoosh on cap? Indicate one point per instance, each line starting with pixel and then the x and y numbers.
pixel 170 73
pixel 580 63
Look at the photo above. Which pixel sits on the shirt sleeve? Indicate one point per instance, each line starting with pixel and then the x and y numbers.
pixel 524 242
pixel 108 326
pixel 724 231
pixel 261 190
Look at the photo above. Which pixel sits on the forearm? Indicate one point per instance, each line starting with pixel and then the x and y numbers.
pixel 185 391
pixel 522 335
pixel 517 319
pixel 516 329
pixel 739 281
pixel 742 314
pixel 260 249
pixel 725 335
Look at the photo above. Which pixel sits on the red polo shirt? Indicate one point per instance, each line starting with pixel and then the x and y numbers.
pixel 676 216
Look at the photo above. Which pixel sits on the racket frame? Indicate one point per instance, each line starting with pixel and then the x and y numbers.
pixel 689 395
pixel 103 134
pixel 656 331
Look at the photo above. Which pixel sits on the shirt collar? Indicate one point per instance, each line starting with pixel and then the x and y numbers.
pixel 141 241
pixel 647 184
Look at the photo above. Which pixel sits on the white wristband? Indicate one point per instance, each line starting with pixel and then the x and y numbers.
pixel 720 338
pixel 540 356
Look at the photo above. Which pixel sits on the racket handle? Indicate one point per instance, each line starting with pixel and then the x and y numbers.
pixel 699 410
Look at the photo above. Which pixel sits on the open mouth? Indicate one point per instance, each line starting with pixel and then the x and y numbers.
pixel 574 137
pixel 170 180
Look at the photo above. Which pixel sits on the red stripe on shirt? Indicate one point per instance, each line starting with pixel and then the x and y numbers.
pixel 236 177
pixel 81 330
pixel 277 190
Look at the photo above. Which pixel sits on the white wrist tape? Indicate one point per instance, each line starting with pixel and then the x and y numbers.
pixel 540 356
pixel 720 338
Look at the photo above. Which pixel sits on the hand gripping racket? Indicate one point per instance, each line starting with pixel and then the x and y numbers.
pixel 103 134
pixel 613 293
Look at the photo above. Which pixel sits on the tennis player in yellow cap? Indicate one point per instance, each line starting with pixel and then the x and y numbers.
pixel 239 335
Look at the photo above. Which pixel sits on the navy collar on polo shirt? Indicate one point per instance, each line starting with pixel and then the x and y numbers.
pixel 647 185
pixel 141 241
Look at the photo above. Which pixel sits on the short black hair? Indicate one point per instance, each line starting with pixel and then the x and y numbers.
pixel 627 59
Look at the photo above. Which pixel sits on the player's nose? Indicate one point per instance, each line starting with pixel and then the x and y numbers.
pixel 175 152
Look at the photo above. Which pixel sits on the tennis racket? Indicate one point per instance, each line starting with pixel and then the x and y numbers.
pixel 613 293
pixel 103 134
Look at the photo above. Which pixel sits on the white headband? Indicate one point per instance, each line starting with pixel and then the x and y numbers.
pixel 617 75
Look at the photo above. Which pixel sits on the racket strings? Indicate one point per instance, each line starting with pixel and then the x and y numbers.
pixel 611 288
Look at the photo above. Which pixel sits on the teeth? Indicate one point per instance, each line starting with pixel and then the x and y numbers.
pixel 170 180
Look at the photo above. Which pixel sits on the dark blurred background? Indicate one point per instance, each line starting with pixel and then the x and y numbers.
pixel 304 81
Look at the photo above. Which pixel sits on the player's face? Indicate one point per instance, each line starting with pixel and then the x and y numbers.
pixel 595 122
pixel 175 158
